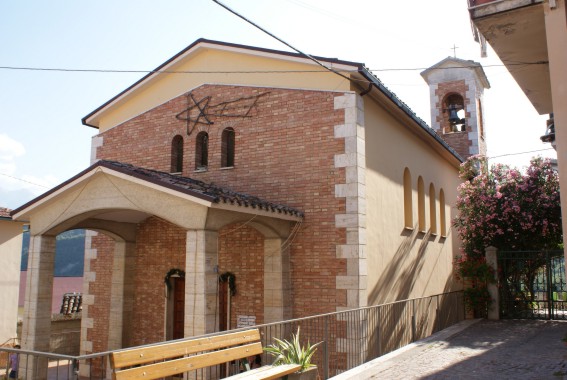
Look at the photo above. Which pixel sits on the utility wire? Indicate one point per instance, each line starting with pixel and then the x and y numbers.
pixel 280 40
pixel 518 153
pixel 23 68
pixel 23 180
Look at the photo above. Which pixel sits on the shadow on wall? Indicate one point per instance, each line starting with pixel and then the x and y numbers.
pixel 402 323
pixel 396 285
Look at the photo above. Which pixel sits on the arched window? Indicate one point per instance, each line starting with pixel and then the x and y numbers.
pixel 177 154
pixel 408 206
pixel 432 209
pixel 227 149
pixel 202 151
pixel 442 213
pixel 420 204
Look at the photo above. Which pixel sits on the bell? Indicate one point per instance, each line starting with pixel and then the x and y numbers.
pixel 453 117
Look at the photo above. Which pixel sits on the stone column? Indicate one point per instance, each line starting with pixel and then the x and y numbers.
pixel 492 261
pixel 277 282
pixel 354 282
pixel 36 329
pixel 201 282
pixel 121 297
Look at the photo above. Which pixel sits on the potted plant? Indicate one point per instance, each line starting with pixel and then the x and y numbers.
pixel 292 352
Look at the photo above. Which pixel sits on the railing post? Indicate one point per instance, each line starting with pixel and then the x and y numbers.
pixel 549 286
pixel 492 261
pixel 413 322
pixel 75 369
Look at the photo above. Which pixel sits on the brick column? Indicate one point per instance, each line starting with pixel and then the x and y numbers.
pixel 36 329
pixel 492 261
pixel 277 284
pixel 201 282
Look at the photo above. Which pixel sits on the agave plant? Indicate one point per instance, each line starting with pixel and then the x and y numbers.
pixel 292 352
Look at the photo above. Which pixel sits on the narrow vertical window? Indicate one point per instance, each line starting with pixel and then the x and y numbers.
pixel 420 204
pixel 227 150
pixel 408 206
pixel 177 154
pixel 442 213
pixel 202 151
pixel 432 209
pixel 480 119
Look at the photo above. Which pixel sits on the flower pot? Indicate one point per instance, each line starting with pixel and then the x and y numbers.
pixel 310 374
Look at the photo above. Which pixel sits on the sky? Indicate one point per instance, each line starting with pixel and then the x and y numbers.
pixel 43 142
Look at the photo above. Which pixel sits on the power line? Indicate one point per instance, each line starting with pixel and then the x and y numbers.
pixel 23 180
pixel 518 153
pixel 119 71
pixel 280 40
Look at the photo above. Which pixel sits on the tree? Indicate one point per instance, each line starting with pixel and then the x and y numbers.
pixel 501 207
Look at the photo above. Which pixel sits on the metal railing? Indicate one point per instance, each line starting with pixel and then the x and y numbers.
pixel 349 339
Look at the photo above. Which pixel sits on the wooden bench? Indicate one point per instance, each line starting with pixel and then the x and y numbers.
pixel 168 359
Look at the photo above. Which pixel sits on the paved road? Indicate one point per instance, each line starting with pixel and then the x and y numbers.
pixel 513 349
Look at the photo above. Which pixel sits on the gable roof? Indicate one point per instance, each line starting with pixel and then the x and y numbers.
pixel 203 43
pixel 453 62
pixel 198 189
pixel 355 67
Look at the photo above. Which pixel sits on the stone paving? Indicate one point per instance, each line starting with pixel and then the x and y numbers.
pixel 510 349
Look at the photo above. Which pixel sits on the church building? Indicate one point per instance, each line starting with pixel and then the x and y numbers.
pixel 236 183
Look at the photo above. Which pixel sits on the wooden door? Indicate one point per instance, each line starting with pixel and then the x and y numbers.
pixel 178 307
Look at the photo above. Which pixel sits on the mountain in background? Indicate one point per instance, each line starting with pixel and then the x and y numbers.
pixel 69 253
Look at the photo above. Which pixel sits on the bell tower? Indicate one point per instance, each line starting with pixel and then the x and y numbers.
pixel 456 88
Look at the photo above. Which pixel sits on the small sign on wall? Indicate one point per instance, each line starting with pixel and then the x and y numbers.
pixel 245 321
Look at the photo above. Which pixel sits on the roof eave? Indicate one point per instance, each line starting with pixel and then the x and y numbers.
pixel 408 112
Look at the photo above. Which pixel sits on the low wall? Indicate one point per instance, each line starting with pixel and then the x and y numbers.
pixel 65 334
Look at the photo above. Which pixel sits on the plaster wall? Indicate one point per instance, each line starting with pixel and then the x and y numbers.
pixel 10 257
pixel 404 263
pixel 556 28
pixel 102 192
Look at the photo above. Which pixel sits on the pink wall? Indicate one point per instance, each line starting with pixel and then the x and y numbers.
pixel 61 285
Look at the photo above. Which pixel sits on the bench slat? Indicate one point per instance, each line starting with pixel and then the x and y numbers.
pixel 267 372
pixel 163 351
pixel 172 367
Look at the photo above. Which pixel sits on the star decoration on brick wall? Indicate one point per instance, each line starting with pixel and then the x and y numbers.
pixel 202 112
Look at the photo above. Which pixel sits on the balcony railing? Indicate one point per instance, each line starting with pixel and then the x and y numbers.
pixel 350 338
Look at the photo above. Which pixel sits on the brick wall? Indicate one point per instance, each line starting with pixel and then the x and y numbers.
pixel 284 153
pixel 160 247
pixel 241 252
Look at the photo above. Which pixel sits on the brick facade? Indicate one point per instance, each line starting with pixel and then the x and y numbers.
pixel 284 152
pixel 160 247
pixel 241 252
